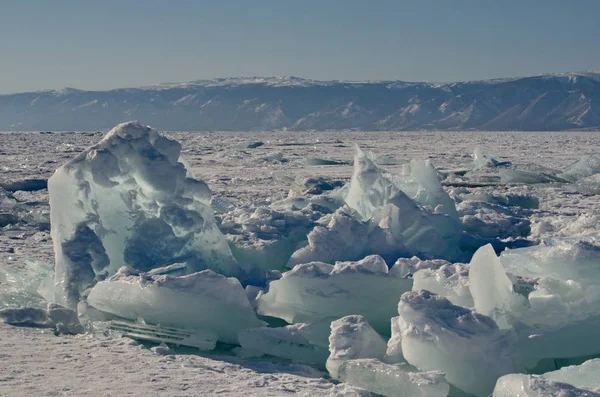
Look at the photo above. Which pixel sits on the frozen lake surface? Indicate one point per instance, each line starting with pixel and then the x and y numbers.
pixel 243 168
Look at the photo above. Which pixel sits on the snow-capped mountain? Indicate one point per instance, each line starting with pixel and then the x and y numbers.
pixel 547 102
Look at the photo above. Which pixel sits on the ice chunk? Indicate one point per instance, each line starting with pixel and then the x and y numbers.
pixel 369 188
pixel 65 319
pixel 393 380
pixel 344 238
pixel 419 181
pixel 582 168
pixel 529 176
pixel 575 258
pixel 489 220
pixel 467 346
pixel 204 301
pixel 393 353
pixel 294 342
pixel 586 375
pixel 451 280
pixel 352 337
pixel 481 160
pixel 26 316
pixel 29 283
pixel 127 201
pixel 265 237
pixel 415 231
pixel 318 290
pixel 520 385
pixel 490 287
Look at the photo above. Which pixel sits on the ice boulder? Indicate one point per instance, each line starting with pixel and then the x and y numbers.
pixel 467 346
pixel 204 301
pixel 318 290
pixel 129 201
pixel 352 337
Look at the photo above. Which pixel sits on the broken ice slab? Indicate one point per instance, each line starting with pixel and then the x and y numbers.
pixel 439 336
pixel 481 160
pixel 521 385
pixel 204 301
pixel 128 201
pixel 582 168
pixel 490 287
pixel 559 317
pixel 509 176
pixel 352 337
pixel 570 258
pixel 161 334
pixel 291 342
pixel 392 380
pixel 30 283
pixel 317 290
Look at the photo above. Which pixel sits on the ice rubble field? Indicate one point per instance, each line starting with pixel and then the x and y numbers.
pixel 398 264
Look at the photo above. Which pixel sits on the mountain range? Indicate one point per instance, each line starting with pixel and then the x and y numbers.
pixel 550 102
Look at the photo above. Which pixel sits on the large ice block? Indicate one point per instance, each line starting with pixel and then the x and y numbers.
pixel 318 290
pixel 352 337
pixel 128 201
pixel 204 301
pixel 467 346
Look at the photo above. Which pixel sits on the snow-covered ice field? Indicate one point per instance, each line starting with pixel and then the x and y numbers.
pixel 243 174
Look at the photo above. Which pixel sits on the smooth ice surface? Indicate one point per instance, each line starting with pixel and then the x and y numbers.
pixel 467 346
pixel 205 301
pixel 392 380
pixel 352 337
pixel 521 385
pixel 128 201
pixel 317 290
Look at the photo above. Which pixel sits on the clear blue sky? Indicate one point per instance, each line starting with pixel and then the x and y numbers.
pixel 103 44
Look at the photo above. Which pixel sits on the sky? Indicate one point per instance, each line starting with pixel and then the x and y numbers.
pixel 104 44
